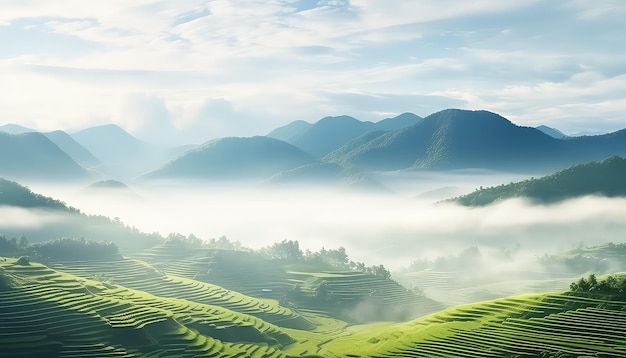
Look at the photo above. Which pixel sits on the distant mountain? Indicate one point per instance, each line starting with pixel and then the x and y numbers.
pixel 15 129
pixel 290 131
pixel 76 151
pixel 330 133
pixel 34 156
pixel 123 155
pixel 552 132
pixel 402 121
pixel 454 139
pixel 605 178
pixel 235 158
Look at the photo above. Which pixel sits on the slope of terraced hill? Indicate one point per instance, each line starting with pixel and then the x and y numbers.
pixel 537 325
pixel 352 296
pixel 45 312
pixel 122 307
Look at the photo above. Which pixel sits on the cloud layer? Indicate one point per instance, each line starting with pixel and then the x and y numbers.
pixel 226 67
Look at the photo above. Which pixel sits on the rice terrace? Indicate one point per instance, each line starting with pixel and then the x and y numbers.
pixel 313 178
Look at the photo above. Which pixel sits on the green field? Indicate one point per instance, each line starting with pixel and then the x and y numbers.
pixel 125 307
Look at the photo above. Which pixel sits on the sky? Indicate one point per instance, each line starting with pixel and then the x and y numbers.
pixel 187 71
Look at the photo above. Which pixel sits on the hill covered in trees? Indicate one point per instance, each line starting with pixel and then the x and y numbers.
pixel 603 178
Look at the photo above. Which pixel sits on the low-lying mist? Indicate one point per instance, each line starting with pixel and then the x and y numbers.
pixel 392 229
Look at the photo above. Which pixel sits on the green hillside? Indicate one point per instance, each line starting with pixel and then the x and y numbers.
pixel 68 221
pixel 115 306
pixel 604 178
pixel 234 158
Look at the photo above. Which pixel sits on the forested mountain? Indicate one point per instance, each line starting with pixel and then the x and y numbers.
pixel 454 139
pixel 401 121
pixel 34 156
pixel 235 158
pixel 330 133
pixel 604 178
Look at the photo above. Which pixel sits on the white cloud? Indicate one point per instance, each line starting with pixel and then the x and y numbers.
pixel 277 61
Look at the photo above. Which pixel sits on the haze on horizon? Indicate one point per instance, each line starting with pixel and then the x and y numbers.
pixel 193 70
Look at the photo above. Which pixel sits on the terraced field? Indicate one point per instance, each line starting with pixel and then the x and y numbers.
pixel 352 296
pixel 44 312
pixel 127 308
pixel 141 276
pixel 543 325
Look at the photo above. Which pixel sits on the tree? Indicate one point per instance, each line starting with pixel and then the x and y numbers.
pixel 285 250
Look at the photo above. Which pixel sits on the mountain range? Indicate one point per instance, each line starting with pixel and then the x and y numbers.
pixel 458 139
pixel 330 133
pixel 33 155
pixel 449 139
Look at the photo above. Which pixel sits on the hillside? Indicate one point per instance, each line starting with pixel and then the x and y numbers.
pixel 289 131
pixel 454 139
pixel 534 325
pixel 401 121
pixel 34 156
pixel 14 194
pixel 71 147
pixel 604 178
pixel 234 158
pixel 112 306
pixel 330 133
pixel 461 139
pixel 57 220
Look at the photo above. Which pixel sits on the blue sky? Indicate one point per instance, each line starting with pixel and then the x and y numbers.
pixel 187 71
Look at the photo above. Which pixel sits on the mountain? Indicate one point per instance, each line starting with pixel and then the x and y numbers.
pixel 605 178
pixel 453 139
pixel 16 195
pixel 460 139
pixel 290 131
pixel 402 121
pixel 330 133
pixel 76 151
pixel 234 158
pixel 552 132
pixel 123 155
pixel 15 129
pixel 34 156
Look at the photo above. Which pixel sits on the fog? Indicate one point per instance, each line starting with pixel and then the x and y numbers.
pixel 392 229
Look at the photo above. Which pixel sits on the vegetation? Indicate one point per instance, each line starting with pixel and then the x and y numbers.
pixel 76 249
pixel 605 178
pixel 612 285
pixel 14 194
